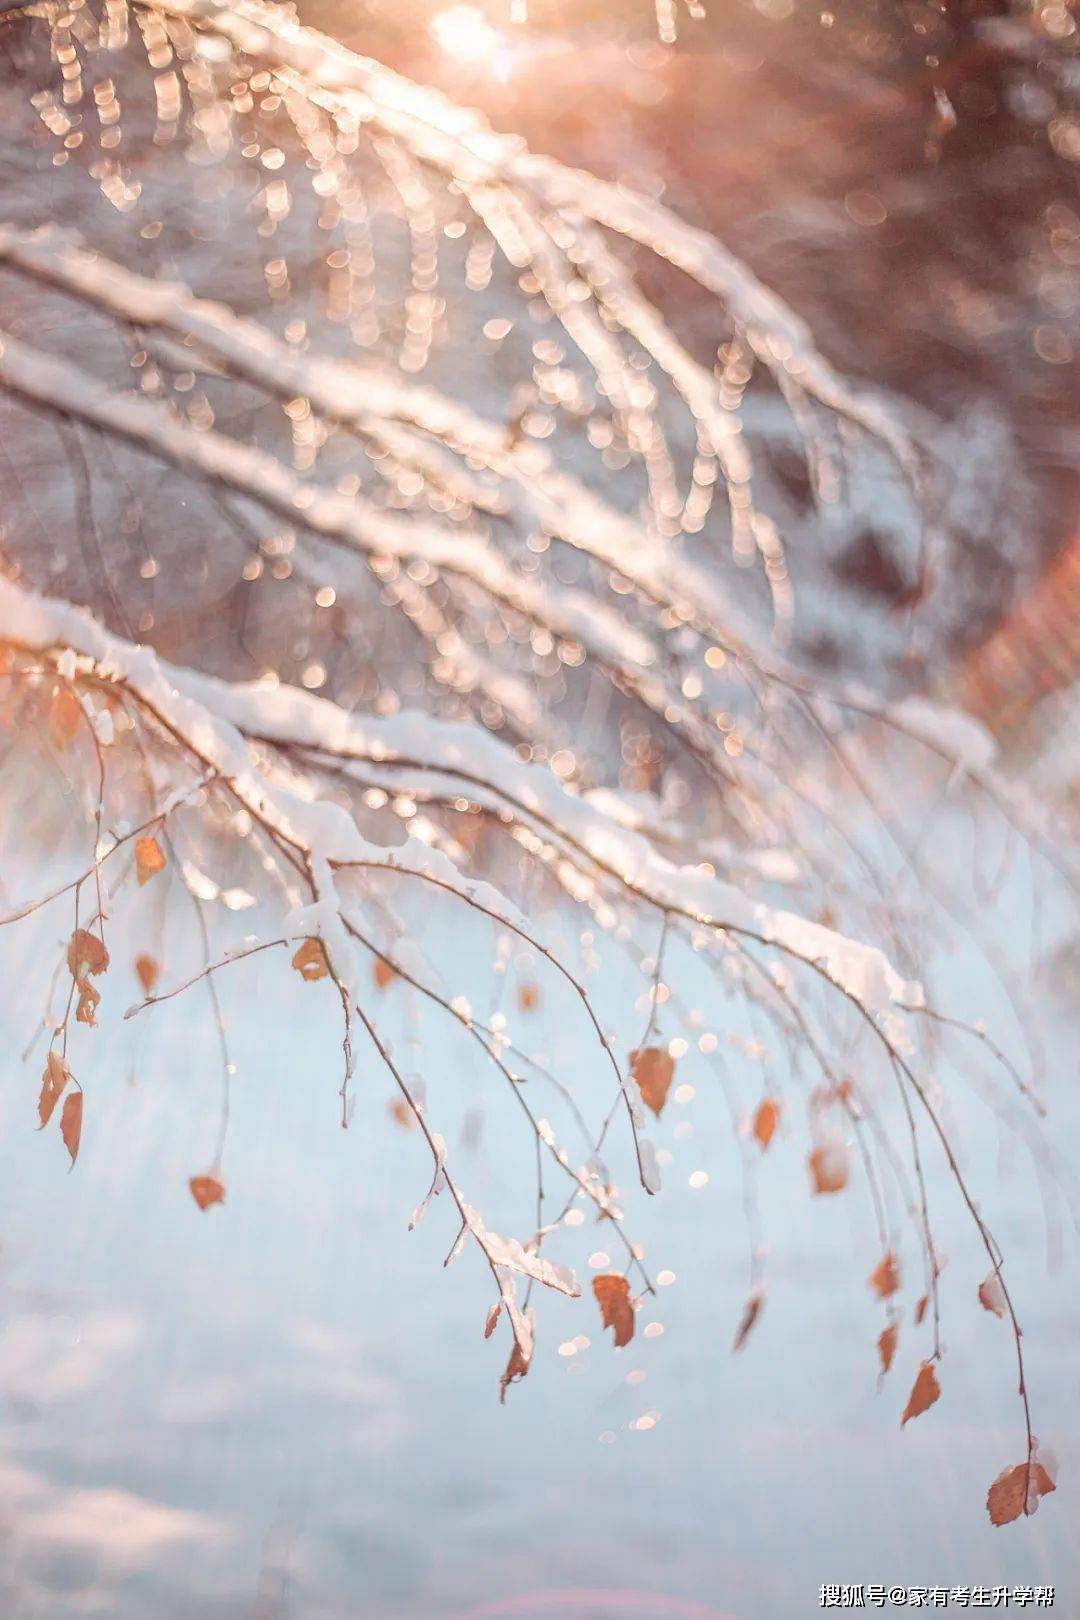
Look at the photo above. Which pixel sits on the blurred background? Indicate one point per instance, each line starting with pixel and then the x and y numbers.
pixel 904 174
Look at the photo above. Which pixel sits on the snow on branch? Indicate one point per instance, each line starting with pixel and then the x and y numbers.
pixel 636 659
pixel 463 144
pixel 368 397
pixel 559 224
pixel 219 715
pixel 346 520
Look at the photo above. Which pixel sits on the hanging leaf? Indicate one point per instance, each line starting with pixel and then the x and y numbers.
pixel 86 1009
pixel 56 1076
pixel 149 859
pixel 65 717
pixel 382 973
pixel 492 1319
pixel 310 961
pixel 516 1368
pixel 652 1068
pixel 86 953
pixel 207 1190
pixel 924 1392
pixel 751 1311
pixel 887 1345
pixel 147 971
pixel 528 997
pixel 613 1297
pixel 885 1277
pixel 829 1168
pixel 920 1309
pixel 992 1295
pixel 766 1120
pixel 71 1123
pixel 1017 1490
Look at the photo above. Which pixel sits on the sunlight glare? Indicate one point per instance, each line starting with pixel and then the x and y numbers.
pixel 464 33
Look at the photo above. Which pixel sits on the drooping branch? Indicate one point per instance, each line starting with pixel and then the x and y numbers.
pixel 462 144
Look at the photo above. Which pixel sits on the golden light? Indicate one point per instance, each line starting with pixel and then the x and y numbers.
pixel 464 33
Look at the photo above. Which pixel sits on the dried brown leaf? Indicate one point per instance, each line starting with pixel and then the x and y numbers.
pixel 829 1168
pixel 207 1190
pixel 924 1392
pixel 1017 1490
pixel 310 961
pixel 65 717
pixel 56 1076
pixel 613 1297
pixel 516 1368
pixel 887 1345
pixel 400 1110
pixel 86 953
pixel 992 1295
pixel 751 1311
pixel 885 1277
pixel 149 858
pixel 920 1309
pixel 147 970
pixel 652 1068
pixel 71 1123
pixel 492 1318
pixel 86 1008
pixel 528 997
pixel 383 974
pixel 766 1120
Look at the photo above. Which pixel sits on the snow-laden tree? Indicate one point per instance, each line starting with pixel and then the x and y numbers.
pixel 380 565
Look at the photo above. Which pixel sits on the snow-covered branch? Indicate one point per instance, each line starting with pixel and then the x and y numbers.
pixel 461 143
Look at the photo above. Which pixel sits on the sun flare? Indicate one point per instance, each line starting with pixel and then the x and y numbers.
pixel 464 33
